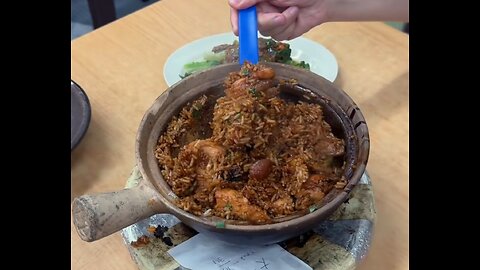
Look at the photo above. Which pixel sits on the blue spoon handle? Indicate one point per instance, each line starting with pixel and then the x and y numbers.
pixel 248 37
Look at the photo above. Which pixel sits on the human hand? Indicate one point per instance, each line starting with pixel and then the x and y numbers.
pixel 282 19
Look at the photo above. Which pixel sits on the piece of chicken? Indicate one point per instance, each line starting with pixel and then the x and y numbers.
pixel 232 202
pixel 282 206
pixel 258 82
pixel 312 191
pixel 212 150
pixel 204 154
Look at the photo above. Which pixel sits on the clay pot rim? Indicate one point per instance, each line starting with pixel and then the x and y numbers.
pixel 171 208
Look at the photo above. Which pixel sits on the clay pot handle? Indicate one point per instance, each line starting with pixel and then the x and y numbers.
pixel 99 215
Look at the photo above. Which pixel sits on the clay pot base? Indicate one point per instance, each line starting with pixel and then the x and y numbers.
pixel 340 242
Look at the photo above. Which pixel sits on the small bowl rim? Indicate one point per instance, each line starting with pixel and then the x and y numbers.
pixel 87 114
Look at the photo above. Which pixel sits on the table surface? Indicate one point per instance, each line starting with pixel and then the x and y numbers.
pixel 120 66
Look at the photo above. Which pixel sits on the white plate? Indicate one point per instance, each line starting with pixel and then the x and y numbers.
pixel 321 60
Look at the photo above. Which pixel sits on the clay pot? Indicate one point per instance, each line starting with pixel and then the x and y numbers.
pixel 99 215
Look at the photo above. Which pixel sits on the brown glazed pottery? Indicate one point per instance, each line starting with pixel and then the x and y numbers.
pixel 98 215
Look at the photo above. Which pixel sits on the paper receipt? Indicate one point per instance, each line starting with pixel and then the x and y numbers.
pixel 203 253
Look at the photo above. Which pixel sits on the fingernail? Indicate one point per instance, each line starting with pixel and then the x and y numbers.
pixel 234 2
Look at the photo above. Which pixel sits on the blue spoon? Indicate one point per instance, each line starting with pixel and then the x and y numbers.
pixel 248 37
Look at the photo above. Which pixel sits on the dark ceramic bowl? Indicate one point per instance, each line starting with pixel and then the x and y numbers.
pixel 96 216
pixel 80 114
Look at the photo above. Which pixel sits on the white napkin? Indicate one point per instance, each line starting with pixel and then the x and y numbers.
pixel 203 253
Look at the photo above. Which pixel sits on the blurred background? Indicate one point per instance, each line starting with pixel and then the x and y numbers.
pixel 90 14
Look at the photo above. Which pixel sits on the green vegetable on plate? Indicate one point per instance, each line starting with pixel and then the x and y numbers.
pixel 270 50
